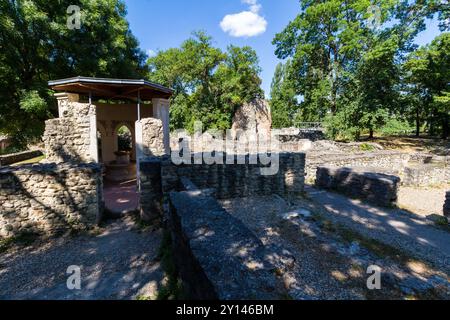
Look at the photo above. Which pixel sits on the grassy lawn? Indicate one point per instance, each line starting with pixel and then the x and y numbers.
pixel 30 161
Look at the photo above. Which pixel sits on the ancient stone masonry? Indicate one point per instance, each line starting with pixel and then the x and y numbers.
pixel 426 174
pixel 380 189
pixel 447 205
pixel 238 180
pixel 160 176
pixel 46 198
pixel 152 137
pixel 391 162
pixel 217 256
pixel 150 196
pixel 69 138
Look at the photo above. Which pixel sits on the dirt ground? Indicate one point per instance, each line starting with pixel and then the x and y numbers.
pixel 121 262
pixel 319 260
pixel 414 144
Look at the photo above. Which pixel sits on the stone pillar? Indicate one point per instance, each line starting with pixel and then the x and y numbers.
pixel 64 99
pixel 161 111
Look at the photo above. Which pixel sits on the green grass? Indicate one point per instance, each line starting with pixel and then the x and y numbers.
pixel 366 147
pixel 173 289
pixel 24 239
pixel 30 161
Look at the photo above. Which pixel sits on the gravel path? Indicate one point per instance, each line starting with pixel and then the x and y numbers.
pixel 316 262
pixel 120 263
pixel 422 201
pixel 310 270
pixel 408 232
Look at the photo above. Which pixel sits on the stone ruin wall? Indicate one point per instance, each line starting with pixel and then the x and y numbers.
pixel 389 161
pixel 152 132
pixel 377 188
pixel 46 198
pixel 238 180
pixel 160 176
pixel 69 138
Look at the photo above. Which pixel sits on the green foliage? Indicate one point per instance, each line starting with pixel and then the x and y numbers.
pixel 350 74
pixel 366 147
pixel 395 126
pixel 36 46
pixel 209 84
pixel 427 84
pixel 283 102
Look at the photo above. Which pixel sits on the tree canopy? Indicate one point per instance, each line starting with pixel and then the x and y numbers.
pixel 209 84
pixel 36 45
pixel 346 62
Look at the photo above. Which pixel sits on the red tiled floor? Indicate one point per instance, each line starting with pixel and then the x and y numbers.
pixel 121 196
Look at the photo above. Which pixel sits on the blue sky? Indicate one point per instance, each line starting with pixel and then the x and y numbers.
pixel 162 24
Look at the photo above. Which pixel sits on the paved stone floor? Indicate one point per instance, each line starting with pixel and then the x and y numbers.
pixel 121 197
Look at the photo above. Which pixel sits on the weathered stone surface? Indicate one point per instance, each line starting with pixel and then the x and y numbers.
pixel 68 138
pixel 152 137
pixel 217 256
pixel 253 117
pixel 426 174
pixel 238 180
pixel 69 196
pixel 19 156
pixel 150 198
pixel 380 189
pixel 389 160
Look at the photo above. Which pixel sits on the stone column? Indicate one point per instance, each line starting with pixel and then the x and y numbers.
pixel 161 111
pixel 64 99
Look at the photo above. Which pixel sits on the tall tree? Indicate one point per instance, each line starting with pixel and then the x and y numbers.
pixel 209 84
pixel 283 100
pixel 346 57
pixel 36 45
pixel 427 79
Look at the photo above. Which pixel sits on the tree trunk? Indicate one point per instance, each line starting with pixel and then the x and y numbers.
pixel 445 126
pixel 417 123
pixel 371 133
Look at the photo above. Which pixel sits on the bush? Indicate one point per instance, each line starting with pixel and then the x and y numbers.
pixel 396 127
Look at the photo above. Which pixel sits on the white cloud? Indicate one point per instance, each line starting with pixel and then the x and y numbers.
pixel 254 5
pixel 245 23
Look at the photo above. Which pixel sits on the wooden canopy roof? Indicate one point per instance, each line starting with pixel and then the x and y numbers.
pixel 112 88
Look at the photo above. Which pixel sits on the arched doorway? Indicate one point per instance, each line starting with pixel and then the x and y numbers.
pixel 120 176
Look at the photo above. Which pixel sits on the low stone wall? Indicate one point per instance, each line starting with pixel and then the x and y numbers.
pixel 69 138
pixel 426 174
pixel 447 205
pixel 294 135
pixel 8 159
pixel 150 195
pixel 238 180
pixel 392 162
pixel 380 189
pixel 46 198
pixel 216 255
